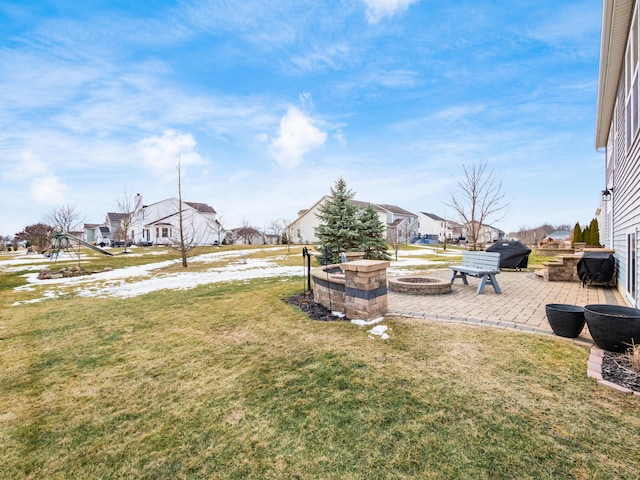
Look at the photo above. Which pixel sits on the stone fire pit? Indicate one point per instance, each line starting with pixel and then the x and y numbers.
pixel 419 285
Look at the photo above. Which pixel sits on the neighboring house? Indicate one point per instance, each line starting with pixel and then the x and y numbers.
pixel 617 126
pixel 486 234
pixel 159 224
pixel 559 236
pixel 236 236
pixel 431 225
pixel 98 234
pixel 489 234
pixel 399 224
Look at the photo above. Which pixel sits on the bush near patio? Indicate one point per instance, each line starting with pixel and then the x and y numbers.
pixel 228 381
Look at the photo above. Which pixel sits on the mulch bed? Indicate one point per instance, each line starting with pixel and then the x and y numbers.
pixel 304 301
pixel 615 369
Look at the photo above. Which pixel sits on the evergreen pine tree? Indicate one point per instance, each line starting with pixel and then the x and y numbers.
pixel 372 235
pixel 338 230
pixel 577 233
pixel 594 231
pixel 586 235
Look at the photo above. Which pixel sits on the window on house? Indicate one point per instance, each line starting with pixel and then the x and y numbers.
pixel 157 232
pixel 165 232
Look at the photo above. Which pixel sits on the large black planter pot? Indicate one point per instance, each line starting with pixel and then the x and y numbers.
pixel 613 327
pixel 565 320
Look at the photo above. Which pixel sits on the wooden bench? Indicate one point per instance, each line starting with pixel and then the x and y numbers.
pixel 484 265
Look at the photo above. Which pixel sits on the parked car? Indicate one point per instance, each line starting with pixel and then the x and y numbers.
pixel 120 243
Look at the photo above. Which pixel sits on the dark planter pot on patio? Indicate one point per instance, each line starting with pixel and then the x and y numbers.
pixel 613 327
pixel 565 320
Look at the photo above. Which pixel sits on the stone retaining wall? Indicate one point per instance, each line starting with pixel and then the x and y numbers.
pixel 328 287
pixel 360 292
pixel 565 267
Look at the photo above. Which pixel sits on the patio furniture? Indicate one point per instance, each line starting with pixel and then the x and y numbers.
pixel 596 267
pixel 513 254
pixel 484 265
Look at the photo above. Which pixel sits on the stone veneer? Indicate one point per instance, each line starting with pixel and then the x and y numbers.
pixel 365 295
pixel 360 292
pixel 328 287
pixel 565 267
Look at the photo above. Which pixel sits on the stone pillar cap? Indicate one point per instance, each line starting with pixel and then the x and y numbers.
pixel 365 265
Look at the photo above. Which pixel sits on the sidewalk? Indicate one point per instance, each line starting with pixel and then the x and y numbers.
pixel 521 306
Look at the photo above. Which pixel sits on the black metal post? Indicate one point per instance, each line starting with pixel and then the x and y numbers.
pixel 308 271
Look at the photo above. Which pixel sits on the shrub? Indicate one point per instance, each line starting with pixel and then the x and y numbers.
pixel 577 233
pixel 633 358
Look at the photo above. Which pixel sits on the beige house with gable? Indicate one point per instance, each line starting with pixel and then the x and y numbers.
pixel 397 221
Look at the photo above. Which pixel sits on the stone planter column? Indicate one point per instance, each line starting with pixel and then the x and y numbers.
pixel 365 288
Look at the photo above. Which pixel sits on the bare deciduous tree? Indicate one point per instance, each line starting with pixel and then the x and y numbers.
pixel 278 227
pixel 64 219
pixel 248 233
pixel 478 199
pixel 409 227
pixel 399 235
pixel 187 232
pixel 186 241
pixel 126 208
pixel 288 231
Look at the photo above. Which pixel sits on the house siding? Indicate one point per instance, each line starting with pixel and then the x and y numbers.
pixel 303 229
pixel 620 215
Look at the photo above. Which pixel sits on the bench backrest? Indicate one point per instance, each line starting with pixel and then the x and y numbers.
pixel 489 261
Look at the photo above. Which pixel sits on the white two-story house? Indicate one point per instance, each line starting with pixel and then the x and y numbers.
pixel 159 224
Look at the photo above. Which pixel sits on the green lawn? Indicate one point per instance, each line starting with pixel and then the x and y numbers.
pixel 228 381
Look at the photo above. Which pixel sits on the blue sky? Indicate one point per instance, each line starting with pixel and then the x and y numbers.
pixel 268 103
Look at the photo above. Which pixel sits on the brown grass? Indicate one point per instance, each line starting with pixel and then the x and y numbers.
pixel 229 381
pixel 633 358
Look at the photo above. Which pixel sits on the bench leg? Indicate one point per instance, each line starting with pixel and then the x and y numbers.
pixel 483 282
pixel 461 275
pixel 494 282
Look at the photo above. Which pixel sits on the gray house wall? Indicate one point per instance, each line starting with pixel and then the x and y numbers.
pixel 620 214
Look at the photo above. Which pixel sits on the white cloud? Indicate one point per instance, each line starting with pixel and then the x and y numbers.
pixel 48 189
pixel 160 153
pixel 28 167
pixel 297 136
pixel 378 9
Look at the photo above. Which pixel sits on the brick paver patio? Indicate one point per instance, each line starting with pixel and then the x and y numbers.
pixel 521 306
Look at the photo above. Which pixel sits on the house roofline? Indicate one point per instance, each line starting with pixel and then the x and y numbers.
pixel 616 16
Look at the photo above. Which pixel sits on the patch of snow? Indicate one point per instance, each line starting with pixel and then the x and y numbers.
pixel 379 330
pixel 138 280
pixel 364 323
pixel 141 279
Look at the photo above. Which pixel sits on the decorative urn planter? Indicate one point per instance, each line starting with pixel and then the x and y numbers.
pixel 613 327
pixel 565 320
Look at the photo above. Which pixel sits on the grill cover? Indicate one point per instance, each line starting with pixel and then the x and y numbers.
pixel 513 254
pixel 596 267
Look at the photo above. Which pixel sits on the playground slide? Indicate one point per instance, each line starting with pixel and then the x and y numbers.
pixel 71 238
